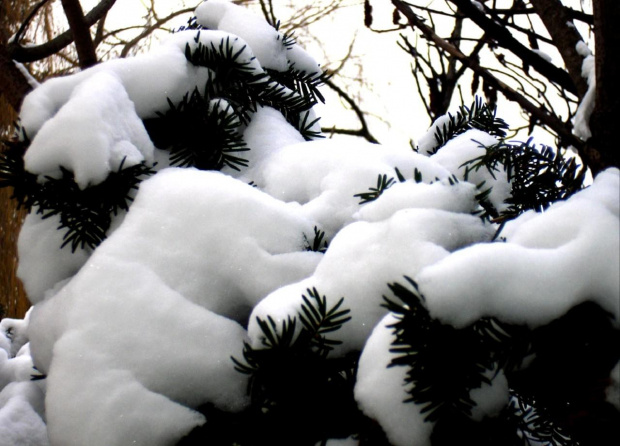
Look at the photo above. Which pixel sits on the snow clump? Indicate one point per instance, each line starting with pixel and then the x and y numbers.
pixel 134 336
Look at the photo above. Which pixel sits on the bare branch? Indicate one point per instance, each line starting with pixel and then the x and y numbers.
pixel 80 32
pixel 565 37
pixel 38 52
pixel 537 113
pixel 149 29
pixel 505 39
pixel 363 131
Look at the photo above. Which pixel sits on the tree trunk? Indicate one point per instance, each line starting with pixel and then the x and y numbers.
pixel 13 301
pixel 603 145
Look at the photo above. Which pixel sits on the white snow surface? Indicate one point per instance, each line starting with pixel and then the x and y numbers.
pixel 138 333
pixel 401 245
pixel 151 340
pixel 380 391
pixel 22 414
pixel 581 121
pixel 490 398
pixel 95 132
pixel 468 146
pixel 42 263
pixel 266 42
pixel 612 393
pixel 569 254
pixel 20 424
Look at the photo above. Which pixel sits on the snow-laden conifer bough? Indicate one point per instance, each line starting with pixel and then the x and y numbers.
pixel 204 267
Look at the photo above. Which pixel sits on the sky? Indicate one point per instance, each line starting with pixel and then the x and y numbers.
pixel 388 94
pixel 396 114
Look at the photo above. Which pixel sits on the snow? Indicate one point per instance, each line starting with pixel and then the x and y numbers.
pixel 100 133
pixel 379 391
pixel 175 77
pixel 20 424
pixel 581 121
pixel 612 392
pixel 262 37
pixel 329 173
pixel 459 198
pixel 183 257
pixel 136 334
pixel 43 264
pixel 468 146
pixel 543 55
pixel 401 245
pixel 22 414
pixel 340 442
pixel 491 398
pixel 427 142
pixel 266 42
pixel 569 254
pixel 478 5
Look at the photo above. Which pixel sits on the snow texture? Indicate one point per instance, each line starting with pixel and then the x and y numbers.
pixel 581 121
pixel 42 264
pixel 266 42
pixel 569 254
pixel 95 132
pixel 468 146
pixel 137 334
pixel 379 391
pixel 612 392
pixel 20 424
pixel 151 340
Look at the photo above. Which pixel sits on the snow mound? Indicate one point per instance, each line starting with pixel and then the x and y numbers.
pixel 569 255
pixel 134 355
pixel 379 391
pixel 94 133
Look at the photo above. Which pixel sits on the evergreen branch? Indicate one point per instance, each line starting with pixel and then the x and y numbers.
pixel 13 172
pixel 443 363
pixel 383 184
pixel 85 214
pixel 192 120
pixel 291 380
pixel 306 128
pixel 479 115
pixel 318 243
pixel 224 59
pixel 538 177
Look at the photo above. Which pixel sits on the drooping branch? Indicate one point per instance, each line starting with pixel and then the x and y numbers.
pixel 33 53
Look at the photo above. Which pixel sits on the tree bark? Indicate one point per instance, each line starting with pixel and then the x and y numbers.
pixel 505 39
pixel 558 21
pixel 13 300
pixel 603 145
pixel 14 85
pixel 81 33
pixel 38 52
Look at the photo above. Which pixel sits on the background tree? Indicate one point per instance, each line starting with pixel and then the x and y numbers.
pixel 504 47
